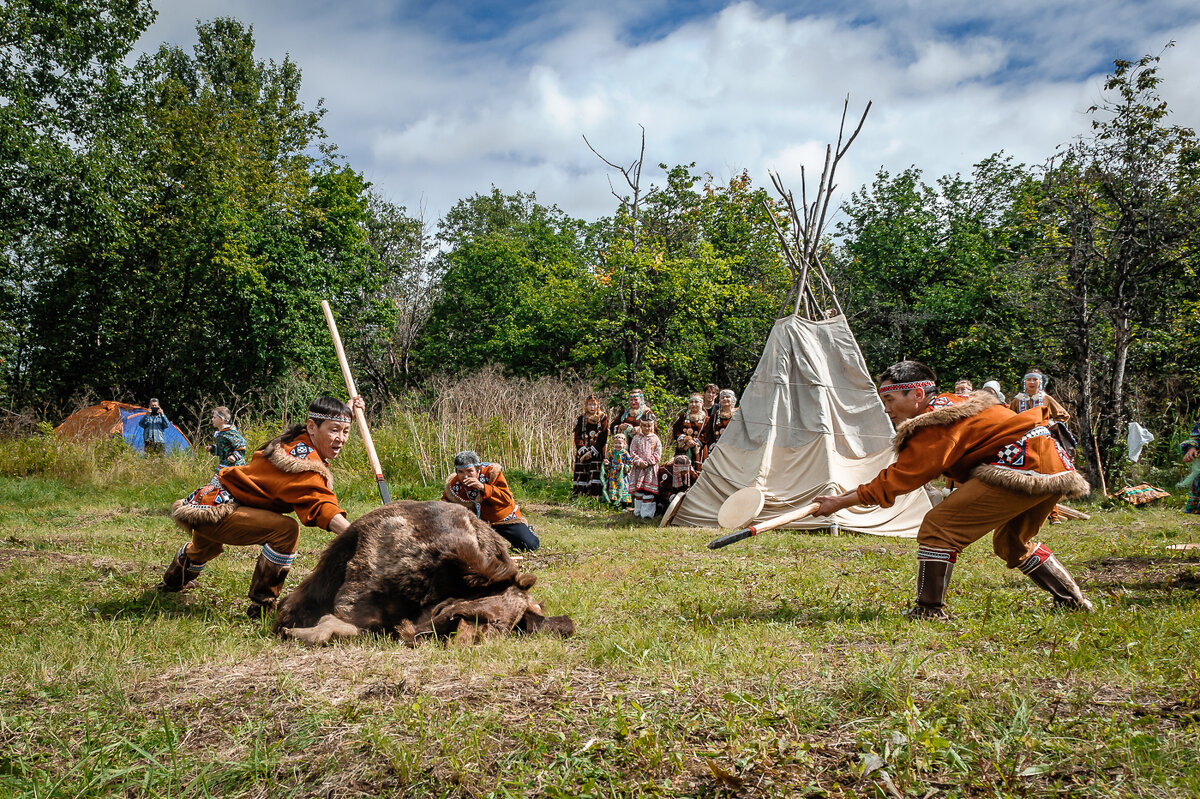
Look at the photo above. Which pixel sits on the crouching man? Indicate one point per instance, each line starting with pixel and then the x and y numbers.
pixel 244 505
pixel 1010 472
pixel 482 489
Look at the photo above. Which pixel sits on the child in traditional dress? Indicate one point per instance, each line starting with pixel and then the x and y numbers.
pixel 1190 448
pixel 228 444
pixel 615 474
pixel 645 451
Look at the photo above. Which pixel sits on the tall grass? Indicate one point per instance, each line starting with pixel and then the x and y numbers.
pixel 526 425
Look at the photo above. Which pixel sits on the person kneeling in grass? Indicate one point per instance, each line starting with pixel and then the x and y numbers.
pixel 482 488
pixel 244 505
pixel 1011 473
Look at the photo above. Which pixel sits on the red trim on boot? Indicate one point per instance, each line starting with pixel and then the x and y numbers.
pixel 1040 555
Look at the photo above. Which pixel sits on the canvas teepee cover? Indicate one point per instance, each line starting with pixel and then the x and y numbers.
pixel 810 422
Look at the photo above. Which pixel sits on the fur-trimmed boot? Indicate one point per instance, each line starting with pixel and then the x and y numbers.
pixel 182 574
pixel 269 574
pixel 642 509
pixel 934 567
pixel 1048 574
pixel 650 508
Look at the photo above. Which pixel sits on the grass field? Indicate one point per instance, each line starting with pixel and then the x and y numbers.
pixel 777 667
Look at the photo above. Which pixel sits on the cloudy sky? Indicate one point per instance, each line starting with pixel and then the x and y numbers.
pixel 434 101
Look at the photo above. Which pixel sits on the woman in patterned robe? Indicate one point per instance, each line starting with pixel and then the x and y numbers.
pixel 687 429
pixel 718 421
pixel 591 437
pixel 626 422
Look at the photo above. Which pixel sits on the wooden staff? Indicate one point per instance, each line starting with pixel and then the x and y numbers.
pixel 359 416
pixel 1071 513
pixel 778 521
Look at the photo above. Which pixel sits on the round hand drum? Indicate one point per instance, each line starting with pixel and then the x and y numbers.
pixel 672 509
pixel 741 508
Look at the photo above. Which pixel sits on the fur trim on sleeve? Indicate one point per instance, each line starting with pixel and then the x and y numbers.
pixel 949 414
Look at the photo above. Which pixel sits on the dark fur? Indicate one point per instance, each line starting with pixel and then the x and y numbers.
pixel 400 566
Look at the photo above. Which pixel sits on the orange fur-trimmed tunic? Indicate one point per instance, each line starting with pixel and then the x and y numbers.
pixel 283 477
pixel 494 504
pixel 977 438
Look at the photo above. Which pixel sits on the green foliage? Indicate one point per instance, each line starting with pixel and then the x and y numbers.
pixel 216 225
pixel 64 98
pixel 927 273
pixel 1115 233
pixel 514 289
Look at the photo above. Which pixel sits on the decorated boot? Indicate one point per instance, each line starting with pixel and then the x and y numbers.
pixel 269 574
pixel 1048 573
pixel 182 574
pixel 934 567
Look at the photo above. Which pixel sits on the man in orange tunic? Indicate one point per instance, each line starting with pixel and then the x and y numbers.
pixel 483 489
pixel 244 505
pixel 1010 470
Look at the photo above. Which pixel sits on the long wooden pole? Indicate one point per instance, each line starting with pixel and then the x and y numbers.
pixel 359 416
pixel 770 524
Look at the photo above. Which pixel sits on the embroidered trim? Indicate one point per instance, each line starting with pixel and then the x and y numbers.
pixel 933 553
pixel 301 450
pixel 278 558
pixel 907 386
pixel 323 417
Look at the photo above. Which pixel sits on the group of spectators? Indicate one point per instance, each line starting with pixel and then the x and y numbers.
pixel 620 461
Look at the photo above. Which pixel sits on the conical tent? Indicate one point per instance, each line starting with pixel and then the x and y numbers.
pixel 109 419
pixel 810 422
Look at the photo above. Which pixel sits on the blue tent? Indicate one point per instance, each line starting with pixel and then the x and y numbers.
pixel 117 418
pixel 173 439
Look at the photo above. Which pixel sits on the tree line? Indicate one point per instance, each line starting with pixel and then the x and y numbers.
pixel 169 226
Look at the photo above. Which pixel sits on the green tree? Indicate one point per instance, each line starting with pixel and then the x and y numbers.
pixel 1118 234
pixel 689 292
pixel 232 225
pixel 64 101
pixel 929 272
pixel 515 289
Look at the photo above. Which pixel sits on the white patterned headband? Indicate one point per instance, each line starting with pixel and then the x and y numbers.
pixel 323 417
pixel 907 386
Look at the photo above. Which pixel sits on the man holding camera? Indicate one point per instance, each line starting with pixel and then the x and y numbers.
pixel 154 429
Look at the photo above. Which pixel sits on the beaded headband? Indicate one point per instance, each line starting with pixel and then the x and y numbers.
pixel 323 417
pixel 907 386
pixel 1033 374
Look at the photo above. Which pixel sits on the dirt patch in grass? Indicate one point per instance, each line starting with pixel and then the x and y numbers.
pixel 1145 573
pixel 579 703
pixel 7 556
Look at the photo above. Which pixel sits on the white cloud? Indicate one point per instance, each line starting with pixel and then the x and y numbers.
pixel 431 119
